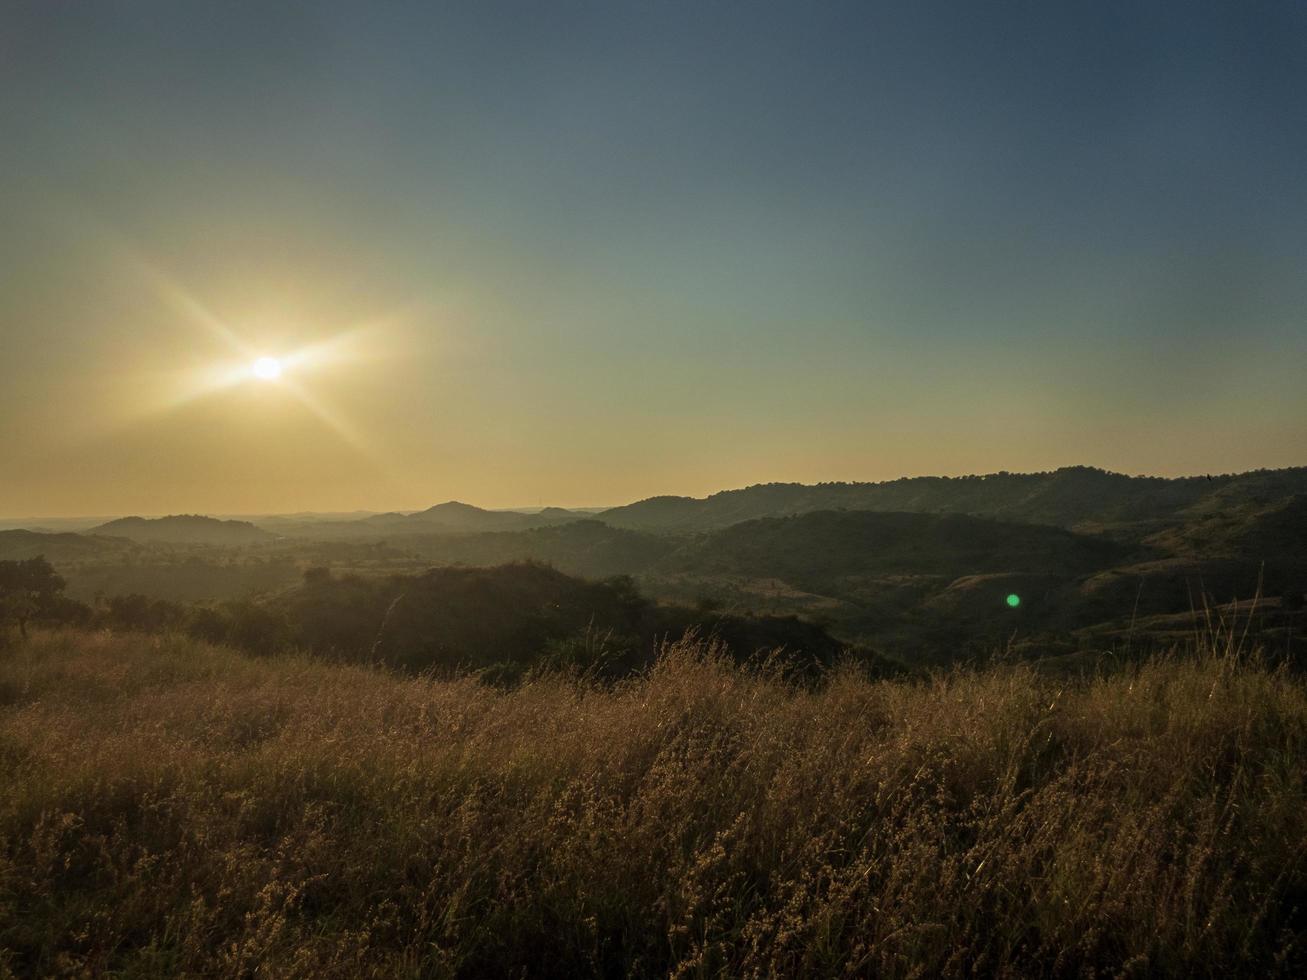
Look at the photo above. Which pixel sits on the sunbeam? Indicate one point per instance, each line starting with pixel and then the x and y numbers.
pixel 185 302
pixel 254 358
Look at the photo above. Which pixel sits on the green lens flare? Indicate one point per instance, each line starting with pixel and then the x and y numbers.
pixel 1014 600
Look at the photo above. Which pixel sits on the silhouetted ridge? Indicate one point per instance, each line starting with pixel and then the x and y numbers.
pixel 1069 497
pixel 455 516
pixel 185 529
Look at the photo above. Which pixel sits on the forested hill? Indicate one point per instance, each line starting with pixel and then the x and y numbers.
pixel 1078 496
pixel 822 547
pixel 185 529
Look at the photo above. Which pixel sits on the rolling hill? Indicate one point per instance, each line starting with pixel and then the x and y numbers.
pixel 820 548
pixel 454 515
pixel 925 559
pixel 451 517
pixel 1073 497
pixel 186 529
pixel 579 547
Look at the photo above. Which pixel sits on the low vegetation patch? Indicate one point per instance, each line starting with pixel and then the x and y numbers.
pixel 171 807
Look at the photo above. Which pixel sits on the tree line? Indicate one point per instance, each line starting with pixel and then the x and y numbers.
pixel 501 621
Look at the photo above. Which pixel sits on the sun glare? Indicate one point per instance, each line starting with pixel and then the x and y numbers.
pixel 267 368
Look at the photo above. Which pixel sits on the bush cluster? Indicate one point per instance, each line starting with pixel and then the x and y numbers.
pixel 503 622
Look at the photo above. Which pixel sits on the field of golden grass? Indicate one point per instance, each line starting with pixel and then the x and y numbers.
pixel 171 808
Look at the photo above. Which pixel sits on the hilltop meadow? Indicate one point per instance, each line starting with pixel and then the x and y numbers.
pixel 174 807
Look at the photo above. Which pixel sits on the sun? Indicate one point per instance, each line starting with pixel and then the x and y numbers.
pixel 266 368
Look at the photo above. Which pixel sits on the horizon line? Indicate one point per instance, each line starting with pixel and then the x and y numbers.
pixel 11 523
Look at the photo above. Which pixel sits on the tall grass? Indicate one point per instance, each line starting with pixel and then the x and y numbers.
pixel 170 808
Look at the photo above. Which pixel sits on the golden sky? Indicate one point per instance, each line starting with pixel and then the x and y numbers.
pixel 632 249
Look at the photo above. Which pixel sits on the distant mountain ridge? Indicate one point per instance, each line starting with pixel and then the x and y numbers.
pixel 456 515
pixel 451 517
pixel 1073 497
pixel 185 529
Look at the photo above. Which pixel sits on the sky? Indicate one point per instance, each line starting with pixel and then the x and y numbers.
pixel 583 253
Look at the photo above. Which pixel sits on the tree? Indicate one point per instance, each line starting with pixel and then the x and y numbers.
pixel 28 589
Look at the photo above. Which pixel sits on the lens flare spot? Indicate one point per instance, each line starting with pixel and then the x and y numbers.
pixel 267 368
pixel 1013 600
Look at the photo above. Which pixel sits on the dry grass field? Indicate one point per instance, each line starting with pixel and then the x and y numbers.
pixel 170 808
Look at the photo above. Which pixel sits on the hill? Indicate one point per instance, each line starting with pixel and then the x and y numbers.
pixel 1253 527
pixel 923 581
pixel 186 529
pixel 579 547
pixel 1073 497
pixel 451 517
pixel 456 516
pixel 922 587
pixel 816 550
